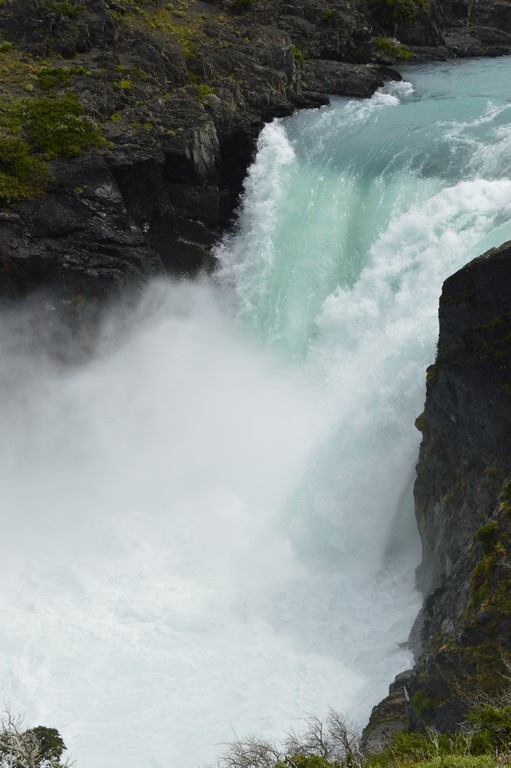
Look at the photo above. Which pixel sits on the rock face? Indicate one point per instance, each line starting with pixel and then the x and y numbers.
pixel 179 92
pixel 463 501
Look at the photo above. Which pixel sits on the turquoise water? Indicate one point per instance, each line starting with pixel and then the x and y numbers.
pixel 208 528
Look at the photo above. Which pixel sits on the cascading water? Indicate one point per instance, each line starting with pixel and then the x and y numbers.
pixel 208 528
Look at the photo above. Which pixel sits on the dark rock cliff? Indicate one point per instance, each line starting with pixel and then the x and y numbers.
pixel 462 637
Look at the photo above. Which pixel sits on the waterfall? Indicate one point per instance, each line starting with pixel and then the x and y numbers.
pixel 208 526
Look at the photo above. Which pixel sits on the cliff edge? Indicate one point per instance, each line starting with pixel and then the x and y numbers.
pixel 462 638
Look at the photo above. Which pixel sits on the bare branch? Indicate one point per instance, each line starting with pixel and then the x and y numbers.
pixel 250 753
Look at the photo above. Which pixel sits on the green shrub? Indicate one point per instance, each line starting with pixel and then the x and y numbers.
pixel 327 14
pixel 306 761
pixel 494 723
pixel 393 48
pixel 423 705
pixel 22 175
pixel 394 11
pixel 6 46
pixel 459 761
pixel 53 77
pixel 481 580
pixel 298 54
pixel 59 127
pixel 488 535
pixel 64 8
pixel 204 90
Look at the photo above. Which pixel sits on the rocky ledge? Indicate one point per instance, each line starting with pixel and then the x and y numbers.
pixel 462 638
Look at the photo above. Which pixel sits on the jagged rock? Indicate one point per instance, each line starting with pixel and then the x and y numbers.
pixel 390 716
pixel 41 27
pixel 77 239
pixel 466 424
pixel 462 636
pixel 346 79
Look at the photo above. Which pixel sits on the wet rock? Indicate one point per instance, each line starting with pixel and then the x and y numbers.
pixel 345 79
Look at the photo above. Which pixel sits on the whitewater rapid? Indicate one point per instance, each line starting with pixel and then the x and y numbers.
pixel 208 527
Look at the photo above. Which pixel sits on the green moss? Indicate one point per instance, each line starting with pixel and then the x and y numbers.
pixel 33 131
pixel 458 761
pixel 423 705
pixel 64 8
pixel 492 340
pixel 327 14
pixel 204 90
pixel 53 77
pixel 480 581
pixel 298 54
pixel 393 48
pixel 457 493
pixel 22 175
pixel 164 20
pixel 124 85
pixel 394 11
pixel 59 127
pixel 421 423
pixel 431 374
pixel 494 725
pixel 488 536
pixel 139 74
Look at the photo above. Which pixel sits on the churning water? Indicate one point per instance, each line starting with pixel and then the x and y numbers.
pixel 207 529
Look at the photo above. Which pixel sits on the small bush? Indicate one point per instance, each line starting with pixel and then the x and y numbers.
pixel 494 723
pixel 59 127
pixel 393 48
pixel 394 11
pixel 488 535
pixel 53 77
pixel 6 46
pixel 22 175
pixel 327 14
pixel 64 8
pixel 459 761
pixel 298 54
pixel 307 761
pixel 423 705
pixel 204 90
